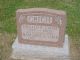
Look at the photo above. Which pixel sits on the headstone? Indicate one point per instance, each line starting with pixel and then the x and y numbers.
pixel 41 26
pixel 41 34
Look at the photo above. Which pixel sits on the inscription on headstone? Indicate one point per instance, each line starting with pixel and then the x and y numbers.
pixel 40 26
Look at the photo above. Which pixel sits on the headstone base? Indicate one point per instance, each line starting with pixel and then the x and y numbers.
pixel 36 52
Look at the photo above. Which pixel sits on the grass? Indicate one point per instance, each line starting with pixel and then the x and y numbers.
pixel 8 16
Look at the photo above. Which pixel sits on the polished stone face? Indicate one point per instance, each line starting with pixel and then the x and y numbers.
pixel 41 26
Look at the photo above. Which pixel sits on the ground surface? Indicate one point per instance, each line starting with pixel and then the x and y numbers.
pixel 8 22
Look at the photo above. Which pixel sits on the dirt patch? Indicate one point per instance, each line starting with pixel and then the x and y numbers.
pixel 74 50
pixel 6 41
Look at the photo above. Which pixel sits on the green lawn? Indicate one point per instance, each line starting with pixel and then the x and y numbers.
pixel 72 7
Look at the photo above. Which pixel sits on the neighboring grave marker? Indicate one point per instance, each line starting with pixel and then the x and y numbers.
pixel 41 26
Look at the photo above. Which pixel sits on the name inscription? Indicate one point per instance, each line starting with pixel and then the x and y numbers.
pixel 39 19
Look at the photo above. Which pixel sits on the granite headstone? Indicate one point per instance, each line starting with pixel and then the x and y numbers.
pixel 41 35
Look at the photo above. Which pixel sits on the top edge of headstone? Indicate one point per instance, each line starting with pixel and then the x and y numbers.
pixel 42 9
